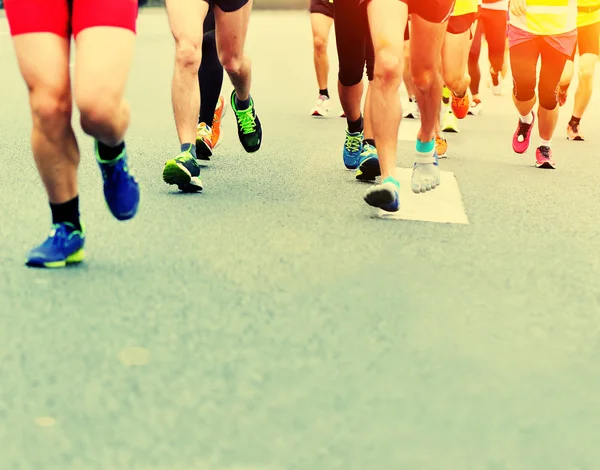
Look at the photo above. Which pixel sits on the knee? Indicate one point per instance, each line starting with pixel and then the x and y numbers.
pixel 51 109
pixel 424 79
pixel 548 99
pixel 232 63
pixel 454 81
pixel 320 45
pixel 388 67
pixel 188 55
pixel 586 75
pixel 98 112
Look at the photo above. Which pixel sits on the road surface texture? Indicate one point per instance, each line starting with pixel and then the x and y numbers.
pixel 276 322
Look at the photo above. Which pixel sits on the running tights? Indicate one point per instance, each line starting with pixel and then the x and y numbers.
pixel 523 62
pixel 210 74
pixel 492 23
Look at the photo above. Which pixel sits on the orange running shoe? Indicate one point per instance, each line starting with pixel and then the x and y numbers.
pixel 441 146
pixel 573 132
pixel 204 146
pixel 460 106
pixel 217 131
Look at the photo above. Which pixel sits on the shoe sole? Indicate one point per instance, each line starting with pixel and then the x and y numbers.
pixel 177 174
pixel 203 151
pixel 546 166
pixel 223 113
pixel 75 258
pixel 379 197
pixel 576 139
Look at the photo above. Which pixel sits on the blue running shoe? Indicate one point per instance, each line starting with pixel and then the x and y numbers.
pixel 63 246
pixel 368 168
pixel 121 190
pixel 353 147
pixel 385 195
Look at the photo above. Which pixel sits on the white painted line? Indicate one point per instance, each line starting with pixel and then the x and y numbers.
pixel 443 205
pixel 408 130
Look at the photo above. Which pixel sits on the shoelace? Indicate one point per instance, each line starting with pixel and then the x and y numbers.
pixel 246 120
pixel 353 143
pixel 545 151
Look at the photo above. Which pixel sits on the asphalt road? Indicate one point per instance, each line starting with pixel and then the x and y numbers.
pixel 275 322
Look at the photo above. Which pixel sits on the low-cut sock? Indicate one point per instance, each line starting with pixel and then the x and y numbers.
pixel 191 148
pixel 425 149
pixel 242 104
pixel 108 153
pixel 324 92
pixel 66 212
pixel 574 121
pixel 527 119
pixel 355 126
pixel 545 143
pixel 370 142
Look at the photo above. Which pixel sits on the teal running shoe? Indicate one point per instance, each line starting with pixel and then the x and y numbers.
pixel 121 190
pixel 368 168
pixel 353 147
pixel 183 171
pixel 63 246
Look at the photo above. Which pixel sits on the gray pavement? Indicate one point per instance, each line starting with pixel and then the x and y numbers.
pixel 275 322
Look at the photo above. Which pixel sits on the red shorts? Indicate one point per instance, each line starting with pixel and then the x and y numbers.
pixel 66 17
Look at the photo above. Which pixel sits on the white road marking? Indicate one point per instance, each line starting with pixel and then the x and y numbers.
pixel 442 205
pixel 408 130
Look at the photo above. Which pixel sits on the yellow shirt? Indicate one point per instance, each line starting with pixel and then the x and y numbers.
pixel 547 17
pixel 464 7
pixel 586 19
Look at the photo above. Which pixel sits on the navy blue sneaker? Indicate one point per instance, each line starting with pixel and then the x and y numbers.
pixel 385 195
pixel 368 168
pixel 353 147
pixel 63 246
pixel 121 190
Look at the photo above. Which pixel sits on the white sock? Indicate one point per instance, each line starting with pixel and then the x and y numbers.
pixel 545 143
pixel 527 119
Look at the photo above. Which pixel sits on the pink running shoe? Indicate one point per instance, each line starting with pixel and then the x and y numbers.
pixel 543 158
pixel 522 136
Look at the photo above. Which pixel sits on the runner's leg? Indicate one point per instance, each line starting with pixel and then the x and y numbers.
pixel 321 19
pixel 233 18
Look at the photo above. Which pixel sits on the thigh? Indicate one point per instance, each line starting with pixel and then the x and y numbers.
pixel 39 16
pixel 351 26
pixel 102 63
pixel 553 64
pixel 111 13
pixel 588 39
pixel 186 19
pixel 495 30
pixel 321 26
pixel 232 27
pixel 44 64
pixel 426 44
pixel 387 20
pixel 524 57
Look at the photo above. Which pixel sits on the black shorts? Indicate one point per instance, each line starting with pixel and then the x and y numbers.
pixel 433 11
pixel 407 32
pixel 227 6
pixel 324 7
pixel 588 40
pixel 462 23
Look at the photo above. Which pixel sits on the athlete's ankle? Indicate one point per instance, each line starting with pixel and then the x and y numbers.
pixel 66 212
pixel 108 153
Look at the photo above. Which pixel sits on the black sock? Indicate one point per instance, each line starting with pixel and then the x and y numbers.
pixel 355 126
pixel 239 104
pixel 574 122
pixel 324 92
pixel 370 142
pixel 110 153
pixel 66 212
pixel 189 148
pixel 210 78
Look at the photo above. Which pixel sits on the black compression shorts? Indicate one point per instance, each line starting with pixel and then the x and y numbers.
pixel 324 7
pixel 227 6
